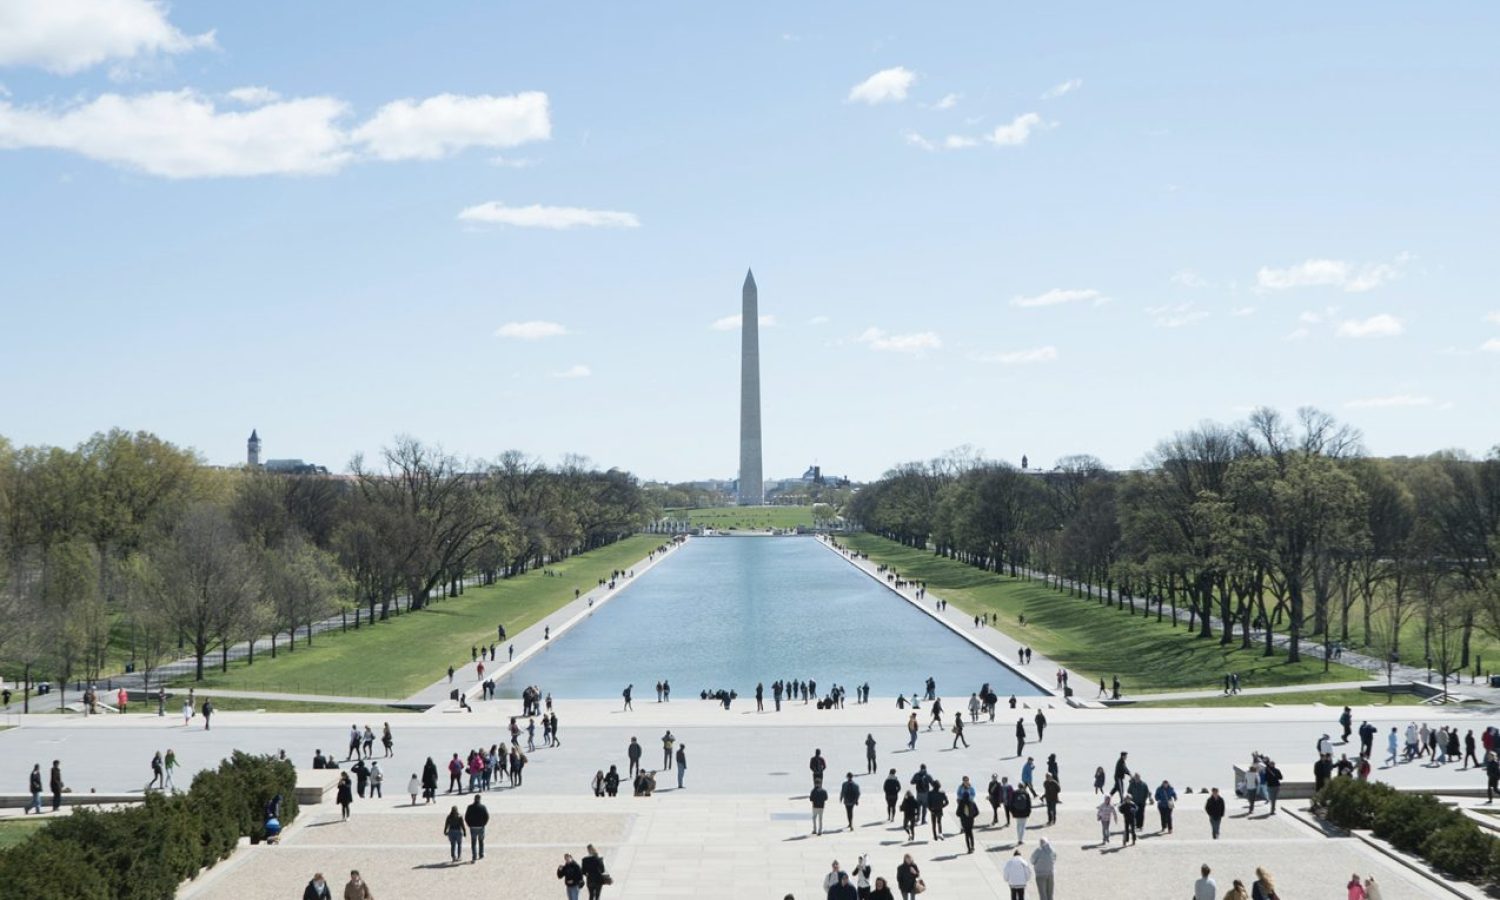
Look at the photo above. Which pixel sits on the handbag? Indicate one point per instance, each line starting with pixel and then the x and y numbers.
pixel 606 879
pixel 920 887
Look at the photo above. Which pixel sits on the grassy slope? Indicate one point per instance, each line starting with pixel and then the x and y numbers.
pixel 1091 639
pixel 746 517
pixel 239 704
pixel 397 658
pixel 14 831
pixel 1352 698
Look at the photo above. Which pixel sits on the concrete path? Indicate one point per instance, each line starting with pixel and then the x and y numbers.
pixel 530 641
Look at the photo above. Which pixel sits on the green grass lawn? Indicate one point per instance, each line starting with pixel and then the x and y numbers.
pixel 1339 698
pixel 14 831
pixel 1093 639
pixel 746 518
pixel 398 658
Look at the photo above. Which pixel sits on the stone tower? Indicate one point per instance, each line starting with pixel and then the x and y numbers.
pixel 252 450
pixel 752 488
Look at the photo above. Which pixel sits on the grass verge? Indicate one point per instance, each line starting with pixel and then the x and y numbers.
pixel 248 704
pixel 1340 698
pixel 746 518
pixel 14 831
pixel 395 659
pixel 1092 639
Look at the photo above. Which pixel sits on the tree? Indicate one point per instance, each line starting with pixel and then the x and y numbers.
pixel 209 582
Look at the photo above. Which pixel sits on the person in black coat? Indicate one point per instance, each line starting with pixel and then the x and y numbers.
pixel 910 808
pixel 317 889
pixel 571 874
pixel 968 811
pixel 476 816
pixel 842 889
pixel 594 876
pixel 345 794
pixel 612 781
pixel 907 876
pixel 937 801
pixel 892 788
pixel 1214 806
pixel 429 780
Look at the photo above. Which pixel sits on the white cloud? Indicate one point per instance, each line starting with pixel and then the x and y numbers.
pixel 1189 279
pixel 958 142
pixel 1022 357
pixel 1300 333
pixel 1383 325
pixel 916 140
pixel 510 162
pixel 1491 346
pixel 1338 273
pixel 885 86
pixel 1017 132
pixel 1176 316
pixel 732 323
pixel 180 134
pixel 557 217
pixel 1067 87
pixel 68 36
pixel 578 371
pixel 819 320
pixel 1058 296
pixel 530 331
pixel 448 123
pixel 1242 311
pixel 948 102
pixel 1493 318
pixel 253 95
pixel 1394 400
pixel 183 134
pixel 915 343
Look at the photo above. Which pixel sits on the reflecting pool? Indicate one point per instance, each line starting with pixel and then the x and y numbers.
pixel 727 612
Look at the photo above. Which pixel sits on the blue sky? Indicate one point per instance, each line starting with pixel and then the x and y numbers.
pixel 1030 231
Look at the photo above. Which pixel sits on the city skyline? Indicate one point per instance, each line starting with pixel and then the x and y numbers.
pixel 1019 230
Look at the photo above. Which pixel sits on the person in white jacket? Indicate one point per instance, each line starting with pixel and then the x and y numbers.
pixel 1017 874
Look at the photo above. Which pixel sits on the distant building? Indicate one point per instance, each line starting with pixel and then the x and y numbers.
pixel 279 466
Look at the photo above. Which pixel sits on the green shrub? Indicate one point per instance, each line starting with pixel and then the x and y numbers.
pixel 1407 819
pixel 1351 803
pixel 1460 849
pixel 145 852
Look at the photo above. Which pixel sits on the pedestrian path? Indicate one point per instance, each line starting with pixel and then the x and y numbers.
pixel 1040 672
pixel 469 681
pixel 1258 692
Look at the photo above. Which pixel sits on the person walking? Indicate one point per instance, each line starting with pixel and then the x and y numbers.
pixel 633 753
pixel 1491 776
pixel 157 772
pixel 377 780
pixel 1017 874
pixel 1205 888
pixel 612 781
pixel 1214 806
pixel 909 878
pixel 1106 815
pixel 386 740
pixel 34 787
pixel 922 783
pixel 414 787
pixel 454 830
pixel 967 812
pixel 1355 887
pixel 476 816
pixel 1128 810
pixel 55 782
pixel 958 731
pixel 1166 801
pixel 356 888
pixel 1264 888
pixel 1028 776
pixel 626 694
pixel 849 796
pixel 911 732
pixel 668 742
pixel 909 809
pixel 1020 736
pixel 594 876
pixel 429 780
pixel 317 888
pixel 818 797
pixel 1044 866
pixel 681 764
pixel 1141 794
pixel 1041 725
pixel 571 875
pixel 345 795
pixel 1020 812
pixel 1098 780
pixel 1051 795
pixel 937 801
pixel 169 768
pixel 869 754
pixel 1122 772
pixel 892 790
pixel 208 712
pixel 1270 779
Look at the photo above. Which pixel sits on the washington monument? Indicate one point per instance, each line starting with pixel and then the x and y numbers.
pixel 751 488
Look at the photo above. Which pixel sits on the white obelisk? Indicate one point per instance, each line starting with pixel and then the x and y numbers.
pixel 752 490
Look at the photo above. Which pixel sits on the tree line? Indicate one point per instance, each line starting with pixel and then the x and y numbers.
pixel 1269 525
pixel 129 541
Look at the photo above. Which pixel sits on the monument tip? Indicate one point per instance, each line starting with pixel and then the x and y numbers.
pixel 749 276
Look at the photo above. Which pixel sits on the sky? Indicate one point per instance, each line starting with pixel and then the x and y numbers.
pixel 1036 231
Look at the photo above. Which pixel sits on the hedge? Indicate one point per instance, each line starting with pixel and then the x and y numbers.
pixel 1418 824
pixel 145 852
